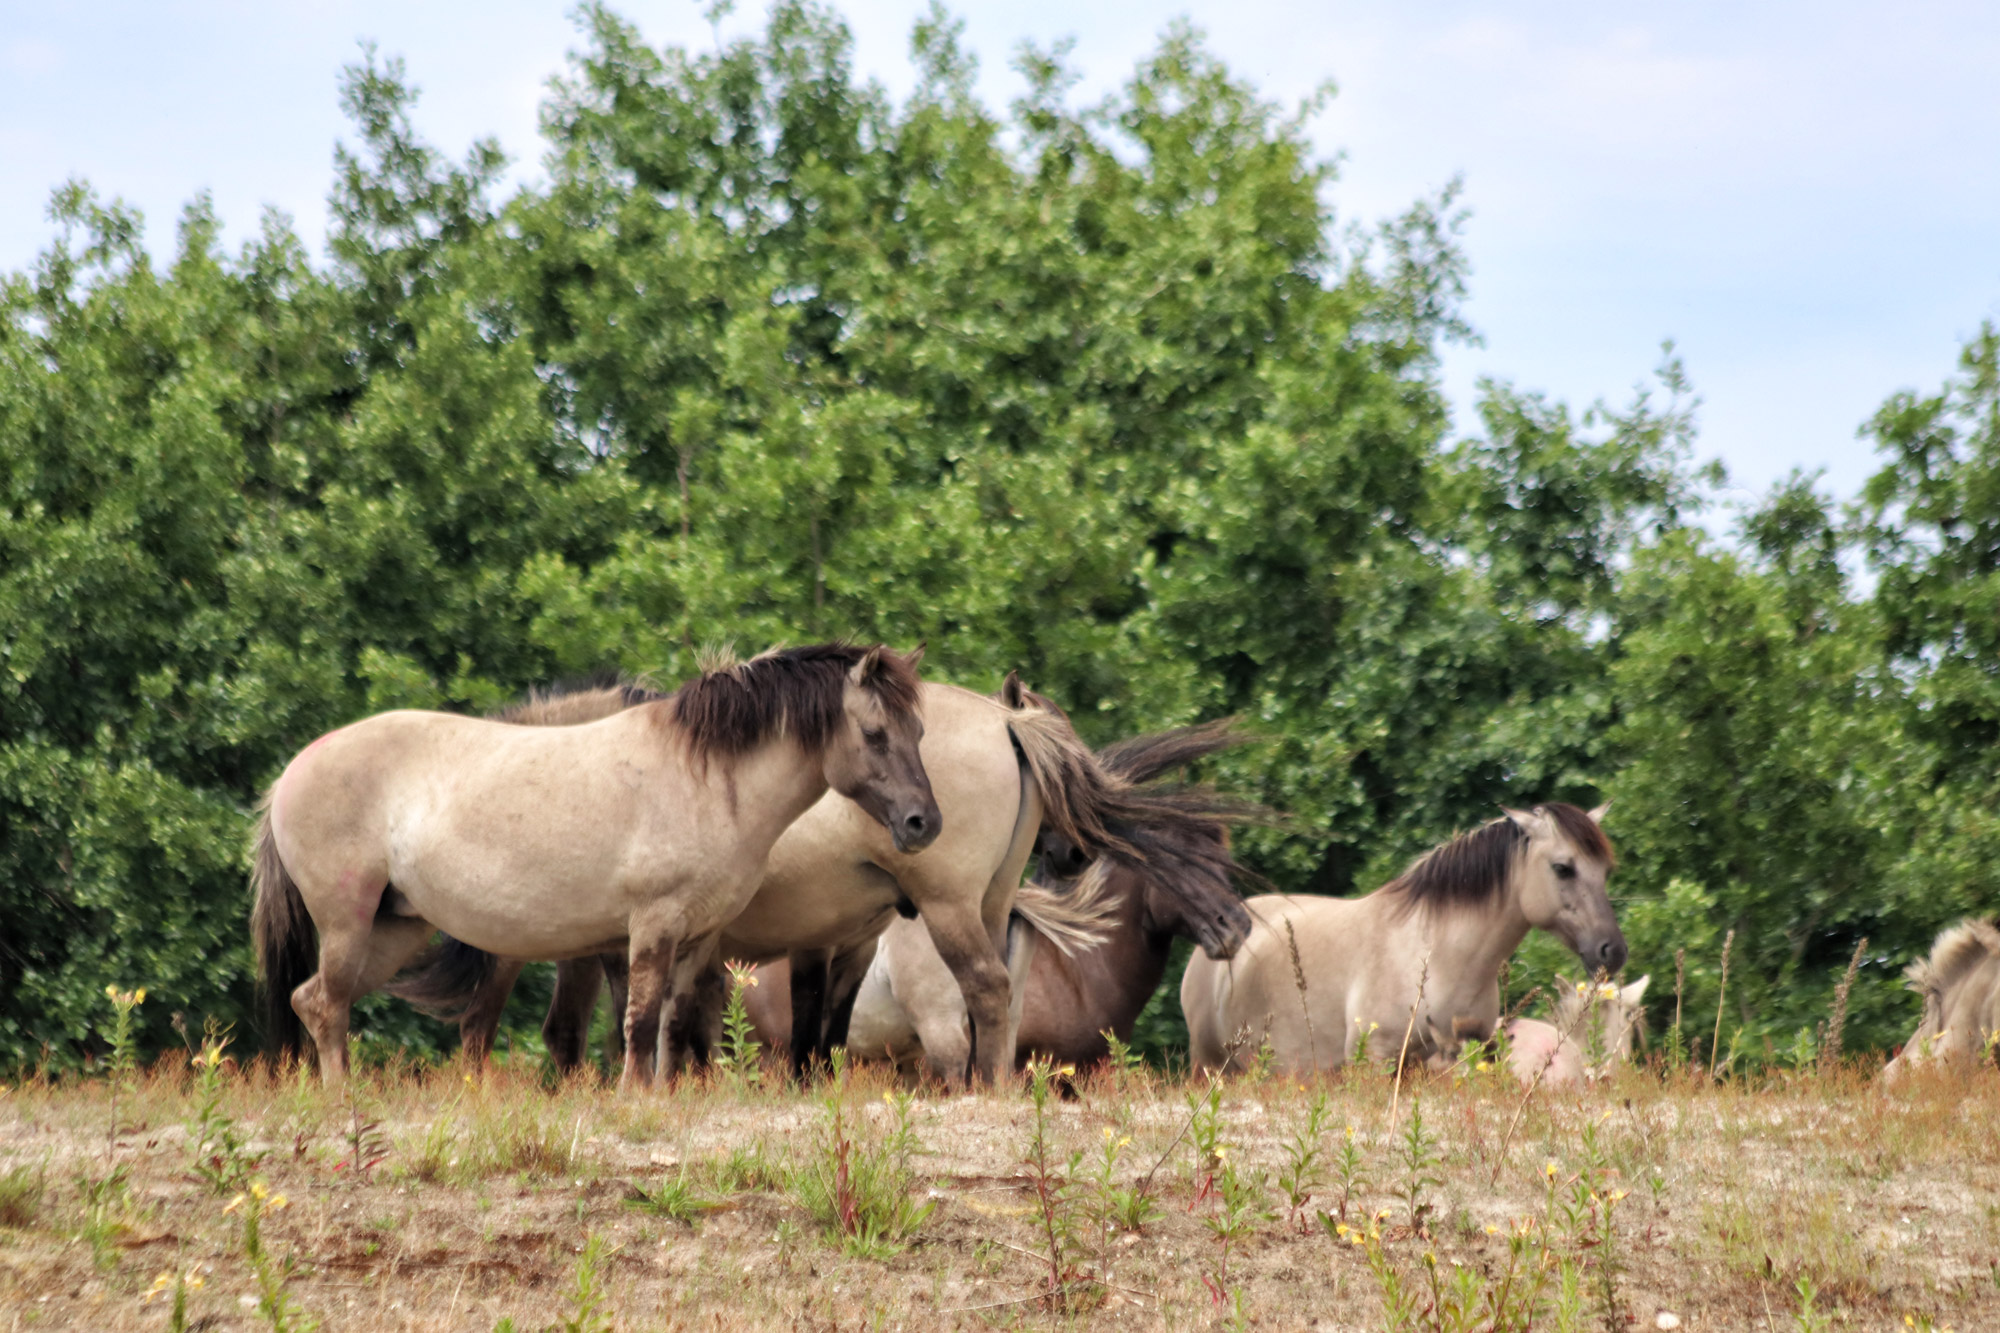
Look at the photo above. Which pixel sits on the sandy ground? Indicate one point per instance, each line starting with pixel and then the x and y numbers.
pixel 488 1192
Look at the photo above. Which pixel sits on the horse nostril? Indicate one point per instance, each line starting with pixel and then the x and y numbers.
pixel 914 823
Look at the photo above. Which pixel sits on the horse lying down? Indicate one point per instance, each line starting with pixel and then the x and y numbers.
pixel 1415 963
pixel 1592 1034
pixel 1960 983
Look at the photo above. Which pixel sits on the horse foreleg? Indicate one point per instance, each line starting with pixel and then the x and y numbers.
pixel 967 948
pixel 694 1023
pixel 481 1019
pixel 652 959
pixel 566 1027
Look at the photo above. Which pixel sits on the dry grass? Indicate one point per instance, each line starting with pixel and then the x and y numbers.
pixel 488 1194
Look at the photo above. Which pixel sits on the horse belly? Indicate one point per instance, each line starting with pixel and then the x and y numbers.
pixel 510 897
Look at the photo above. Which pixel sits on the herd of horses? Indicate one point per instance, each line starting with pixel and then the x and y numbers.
pixel 860 837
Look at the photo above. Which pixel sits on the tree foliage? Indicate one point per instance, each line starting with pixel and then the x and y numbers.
pixel 1105 393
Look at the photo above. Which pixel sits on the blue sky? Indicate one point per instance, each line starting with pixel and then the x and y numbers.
pixel 1806 197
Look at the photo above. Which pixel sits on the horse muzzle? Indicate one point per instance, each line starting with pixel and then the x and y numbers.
pixel 1606 955
pixel 914 830
pixel 1223 935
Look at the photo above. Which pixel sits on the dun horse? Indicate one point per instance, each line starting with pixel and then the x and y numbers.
pixel 646 831
pixel 1083 969
pixel 1001 768
pixel 1595 1024
pixel 1422 953
pixel 1960 983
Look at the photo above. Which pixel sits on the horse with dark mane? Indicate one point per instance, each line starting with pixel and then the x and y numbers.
pixel 645 832
pixel 1421 954
pixel 1002 769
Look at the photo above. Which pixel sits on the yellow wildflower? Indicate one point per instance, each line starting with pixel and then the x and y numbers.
pixel 111 992
pixel 1550 1169
pixel 278 1201
pixel 195 1279
pixel 235 1203
pixel 1616 1195
pixel 1492 1230
pixel 260 1191
pixel 159 1287
pixel 139 996
pixel 1126 1141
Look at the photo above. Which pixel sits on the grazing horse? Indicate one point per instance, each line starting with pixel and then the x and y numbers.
pixel 1422 953
pixel 1960 983
pixel 647 830
pixel 1001 768
pixel 1070 995
pixel 1573 1049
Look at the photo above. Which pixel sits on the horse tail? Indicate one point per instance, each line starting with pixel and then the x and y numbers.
pixel 287 944
pixel 1079 795
pixel 444 978
pixel 1072 921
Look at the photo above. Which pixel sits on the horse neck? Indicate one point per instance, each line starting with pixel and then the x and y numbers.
pixel 767 788
pixel 1472 942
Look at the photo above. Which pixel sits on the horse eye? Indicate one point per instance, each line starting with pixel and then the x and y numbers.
pixel 1565 872
pixel 875 737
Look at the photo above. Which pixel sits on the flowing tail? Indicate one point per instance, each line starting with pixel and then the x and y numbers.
pixel 287 944
pixel 1106 803
pixel 1074 921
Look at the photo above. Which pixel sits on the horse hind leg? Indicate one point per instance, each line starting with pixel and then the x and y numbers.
pixel 480 1022
pixel 352 962
pixel 566 1029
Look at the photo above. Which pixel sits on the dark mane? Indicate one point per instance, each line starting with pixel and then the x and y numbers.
pixel 1473 867
pixel 796 693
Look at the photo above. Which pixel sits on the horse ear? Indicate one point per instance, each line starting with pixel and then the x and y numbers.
pixel 1012 692
pixel 870 663
pixel 1597 815
pixel 1635 992
pixel 915 657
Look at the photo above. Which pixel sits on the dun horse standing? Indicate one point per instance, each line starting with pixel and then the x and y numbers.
pixel 646 831
pixel 1423 952
pixel 1002 767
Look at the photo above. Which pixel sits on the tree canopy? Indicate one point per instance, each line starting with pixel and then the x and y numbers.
pixel 1111 394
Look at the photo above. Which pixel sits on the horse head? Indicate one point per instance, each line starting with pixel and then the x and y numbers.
pixel 1561 864
pixel 873 758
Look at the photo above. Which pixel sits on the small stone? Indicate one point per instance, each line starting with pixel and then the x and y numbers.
pixel 1666 1319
